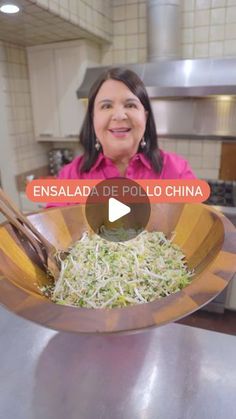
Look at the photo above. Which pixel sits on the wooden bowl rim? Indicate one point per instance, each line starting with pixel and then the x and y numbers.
pixel 41 310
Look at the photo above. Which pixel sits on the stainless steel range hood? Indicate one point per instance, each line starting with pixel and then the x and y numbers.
pixel 189 97
pixel 178 78
pixel 165 74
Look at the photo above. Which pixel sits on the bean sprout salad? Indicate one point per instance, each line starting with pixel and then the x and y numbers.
pixel 98 273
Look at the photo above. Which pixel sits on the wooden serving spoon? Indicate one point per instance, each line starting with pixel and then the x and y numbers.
pixel 41 250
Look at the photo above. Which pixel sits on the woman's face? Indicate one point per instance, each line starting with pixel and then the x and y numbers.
pixel 119 119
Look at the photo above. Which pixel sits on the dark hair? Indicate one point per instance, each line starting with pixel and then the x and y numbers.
pixel 87 134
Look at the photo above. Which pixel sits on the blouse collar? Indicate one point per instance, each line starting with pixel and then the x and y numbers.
pixel 101 159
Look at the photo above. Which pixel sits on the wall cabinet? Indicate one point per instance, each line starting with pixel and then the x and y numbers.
pixel 55 72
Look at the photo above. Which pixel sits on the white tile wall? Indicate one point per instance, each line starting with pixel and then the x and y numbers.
pixel 27 153
pixel 203 4
pixel 201 50
pixel 204 24
pixel 218 3
pixel 212 21
pixel 188 4
pixel 218 16
pixel 216 49
pixel 202 17
pixel 201 34
pixel 217 33
pixel 129 33
pixel 197 153
pixel 188 20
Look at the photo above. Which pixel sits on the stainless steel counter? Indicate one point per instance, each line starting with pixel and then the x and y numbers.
pixel 172 372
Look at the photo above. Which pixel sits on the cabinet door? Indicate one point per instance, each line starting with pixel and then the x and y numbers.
pixel 43 92
pixel 69 73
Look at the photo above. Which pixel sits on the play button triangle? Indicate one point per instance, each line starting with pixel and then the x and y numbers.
pixel 116 209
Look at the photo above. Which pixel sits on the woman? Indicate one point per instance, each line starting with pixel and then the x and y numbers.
pixel 119 134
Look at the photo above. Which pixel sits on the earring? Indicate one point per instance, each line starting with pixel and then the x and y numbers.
pixel 97 145
pixel 143 143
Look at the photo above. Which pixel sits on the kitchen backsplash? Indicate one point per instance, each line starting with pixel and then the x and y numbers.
pixel 27 154
pixel 208 30
pixel 203 155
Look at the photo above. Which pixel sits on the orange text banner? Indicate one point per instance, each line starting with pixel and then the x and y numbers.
pixel 77 191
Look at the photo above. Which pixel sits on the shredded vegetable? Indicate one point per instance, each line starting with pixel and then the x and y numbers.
pixel 102 274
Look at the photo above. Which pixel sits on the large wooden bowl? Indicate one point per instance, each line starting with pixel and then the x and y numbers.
pixel 206 237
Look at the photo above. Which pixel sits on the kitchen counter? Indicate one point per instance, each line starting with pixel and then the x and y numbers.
pixel 171 372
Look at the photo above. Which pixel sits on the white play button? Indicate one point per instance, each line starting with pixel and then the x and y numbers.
pixel 116 209
pixel 113 207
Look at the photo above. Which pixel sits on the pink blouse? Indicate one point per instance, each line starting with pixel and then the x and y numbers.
pixel 174 167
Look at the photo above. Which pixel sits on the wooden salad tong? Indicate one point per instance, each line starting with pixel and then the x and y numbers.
pixel 37 246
